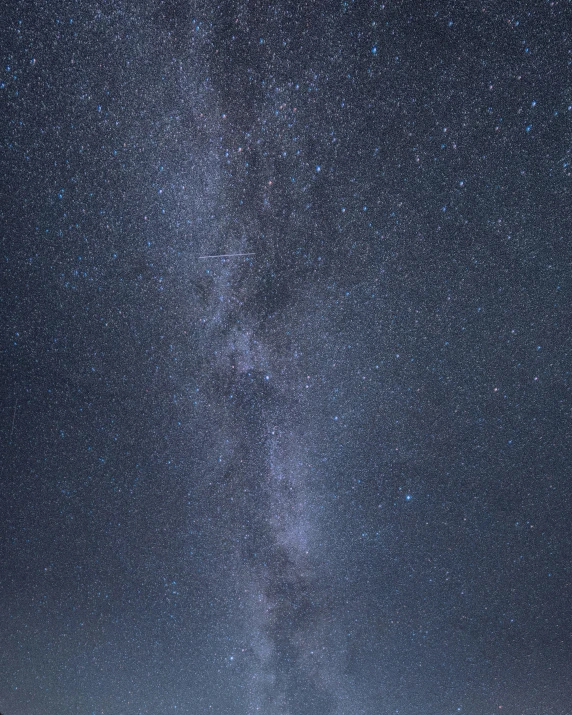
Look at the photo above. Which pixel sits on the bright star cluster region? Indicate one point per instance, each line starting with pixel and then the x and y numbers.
pixel 285 420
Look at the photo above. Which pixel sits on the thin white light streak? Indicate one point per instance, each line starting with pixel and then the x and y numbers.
pixel 229 255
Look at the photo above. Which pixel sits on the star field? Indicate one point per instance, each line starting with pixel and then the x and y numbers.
pixel 285 419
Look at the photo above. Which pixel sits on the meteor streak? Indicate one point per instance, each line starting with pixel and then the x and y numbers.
pixel 228 255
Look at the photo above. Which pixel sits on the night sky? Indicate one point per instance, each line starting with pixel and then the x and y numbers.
pixel 329 473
